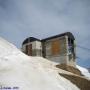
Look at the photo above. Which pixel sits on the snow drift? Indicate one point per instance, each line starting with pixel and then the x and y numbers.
pixel 28 73
pixel 84 71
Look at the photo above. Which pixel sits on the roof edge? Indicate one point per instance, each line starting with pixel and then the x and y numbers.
pixel 60 35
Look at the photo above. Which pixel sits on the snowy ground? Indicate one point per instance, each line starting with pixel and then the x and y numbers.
pixel 84 71
pixel 28 73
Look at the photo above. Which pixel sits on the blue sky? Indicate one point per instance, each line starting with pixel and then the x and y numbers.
pixel 20 19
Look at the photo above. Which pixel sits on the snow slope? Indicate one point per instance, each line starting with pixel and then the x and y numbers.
pixel 28 73
pixel 84 71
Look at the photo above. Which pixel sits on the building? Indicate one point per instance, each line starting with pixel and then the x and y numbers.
pixel 59 48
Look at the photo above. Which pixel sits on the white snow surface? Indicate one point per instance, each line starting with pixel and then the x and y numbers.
pixel 84 71
pixel 28 73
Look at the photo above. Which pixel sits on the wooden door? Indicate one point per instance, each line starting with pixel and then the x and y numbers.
pixel 26 49
pixel 30 50
pixel 55 47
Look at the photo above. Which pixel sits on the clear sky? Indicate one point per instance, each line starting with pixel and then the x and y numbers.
pixel 20 19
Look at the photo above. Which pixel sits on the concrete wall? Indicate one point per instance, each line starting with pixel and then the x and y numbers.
pixel 61 57
pixel 58 59
pixel 70 57
pixel 36 48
